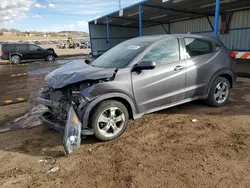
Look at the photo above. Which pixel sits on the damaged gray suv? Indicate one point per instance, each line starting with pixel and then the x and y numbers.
pixel 136 77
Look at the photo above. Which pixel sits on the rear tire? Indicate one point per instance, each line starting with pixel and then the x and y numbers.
pixel 109 120
pixel 50 58
pixel 15 59
pixel 219 92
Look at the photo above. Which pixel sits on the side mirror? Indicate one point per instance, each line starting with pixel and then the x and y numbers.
pixel 39 49
pixel 144 65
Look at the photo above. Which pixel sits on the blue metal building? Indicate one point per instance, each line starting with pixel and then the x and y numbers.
pixel 151 17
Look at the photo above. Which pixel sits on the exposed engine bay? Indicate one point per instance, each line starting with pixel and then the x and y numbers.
pixel 59 101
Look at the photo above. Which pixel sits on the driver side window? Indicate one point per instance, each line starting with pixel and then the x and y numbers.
pixel 164 52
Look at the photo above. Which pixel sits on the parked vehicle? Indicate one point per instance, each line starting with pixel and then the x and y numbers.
pixel 21 52
pixel 136 77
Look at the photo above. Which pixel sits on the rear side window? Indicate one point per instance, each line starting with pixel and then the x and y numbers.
pixel 9 47
pixel 196 47
pixel 22 47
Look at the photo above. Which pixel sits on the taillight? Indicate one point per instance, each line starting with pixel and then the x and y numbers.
pixel 1 52
pixel 233 55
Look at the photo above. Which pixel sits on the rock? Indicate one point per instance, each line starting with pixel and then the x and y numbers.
pixel 29 120
pixel 194 120
pixel 52 170
pixel 3 130
pixel 43 161
pixel 140 165
pixel 89 150
pixel 47 159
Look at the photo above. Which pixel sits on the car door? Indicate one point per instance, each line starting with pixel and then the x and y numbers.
pixel 200 55
pixel 23 49
pixel 155 89
pixel 36 52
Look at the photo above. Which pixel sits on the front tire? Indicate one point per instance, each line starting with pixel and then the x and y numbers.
pixel 219 92
pixel 50 58
pixel 109 120
pixel 15 59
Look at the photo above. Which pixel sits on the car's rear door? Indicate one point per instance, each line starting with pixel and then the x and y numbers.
pixel 36 52
pixel 23 50
pixel 200 57
pixel 154 89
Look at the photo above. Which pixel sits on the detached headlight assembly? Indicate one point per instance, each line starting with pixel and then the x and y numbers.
pixel 72 133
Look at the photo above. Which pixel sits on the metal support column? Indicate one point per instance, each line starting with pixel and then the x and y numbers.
pixel 140 20
pixel 108 31
pixel 91 43
pixel 216 19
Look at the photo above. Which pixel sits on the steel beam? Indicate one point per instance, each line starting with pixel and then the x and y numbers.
pixel 177 10
pixel 210 23
pixel 108 31
pixel 130 19
pixel 164 29
pixel 91 43
pixel 216 19
pixel 140 20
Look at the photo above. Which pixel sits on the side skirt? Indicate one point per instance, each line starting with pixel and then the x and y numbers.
pixel 170 105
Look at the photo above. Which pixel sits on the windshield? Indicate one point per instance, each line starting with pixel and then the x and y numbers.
pixel 122 54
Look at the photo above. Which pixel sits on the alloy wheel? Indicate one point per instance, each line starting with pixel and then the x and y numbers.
pixel 221 92
pixel 15 59
pixel 111 122
pixel 50 58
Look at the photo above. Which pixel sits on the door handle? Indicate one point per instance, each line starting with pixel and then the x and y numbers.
pixel 178 68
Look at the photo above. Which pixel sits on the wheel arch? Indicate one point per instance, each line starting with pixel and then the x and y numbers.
pixel 18 54
pixel 225 74
pixel 124 99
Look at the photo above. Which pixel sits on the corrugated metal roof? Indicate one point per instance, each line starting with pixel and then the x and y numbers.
pixel 156 12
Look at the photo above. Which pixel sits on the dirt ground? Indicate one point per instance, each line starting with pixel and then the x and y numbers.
pixel 163 149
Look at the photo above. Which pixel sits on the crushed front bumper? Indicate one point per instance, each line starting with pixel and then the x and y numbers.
pixel 58 125
pixel 50 120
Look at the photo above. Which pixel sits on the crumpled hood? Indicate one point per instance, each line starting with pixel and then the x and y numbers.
pixel 76 71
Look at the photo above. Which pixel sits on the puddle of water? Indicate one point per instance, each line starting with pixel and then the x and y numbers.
pixel 39 70
pixel 43 67
pixel 29 120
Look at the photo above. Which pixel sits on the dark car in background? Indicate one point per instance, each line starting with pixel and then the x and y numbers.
pixel 16 52
pixel 136 77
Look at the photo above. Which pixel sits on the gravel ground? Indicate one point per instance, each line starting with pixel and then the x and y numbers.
pixel 163 149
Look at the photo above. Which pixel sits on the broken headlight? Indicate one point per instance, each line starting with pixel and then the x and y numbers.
pixel 72 134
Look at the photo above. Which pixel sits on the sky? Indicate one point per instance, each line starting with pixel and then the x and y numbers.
pixel 54 15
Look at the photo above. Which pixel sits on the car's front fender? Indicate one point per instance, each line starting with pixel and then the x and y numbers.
pixel 109 96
